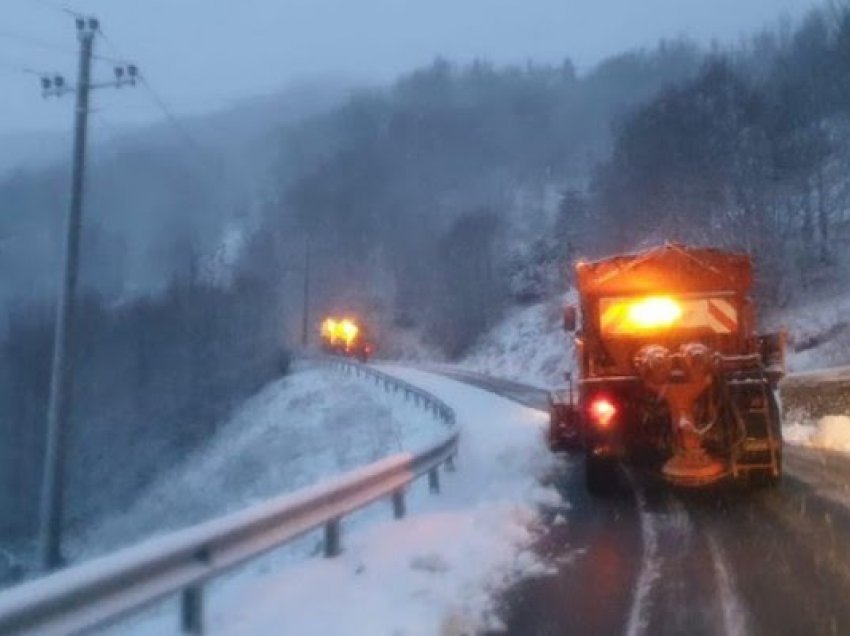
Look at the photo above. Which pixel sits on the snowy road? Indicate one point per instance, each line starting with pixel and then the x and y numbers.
pixel 652 561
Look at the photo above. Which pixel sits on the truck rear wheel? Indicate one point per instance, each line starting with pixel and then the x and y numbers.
pixel 600 474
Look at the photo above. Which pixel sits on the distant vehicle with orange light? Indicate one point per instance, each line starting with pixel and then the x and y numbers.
pixel 671 370
pixel 347 336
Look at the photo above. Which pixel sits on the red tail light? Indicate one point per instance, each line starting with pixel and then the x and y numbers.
pixel 602 411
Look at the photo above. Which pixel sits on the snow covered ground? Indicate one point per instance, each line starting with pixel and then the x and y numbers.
pixel 435 572
pixel 831 432
pixel 529 346
pixel 293 433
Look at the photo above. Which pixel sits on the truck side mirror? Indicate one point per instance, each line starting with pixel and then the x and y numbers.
pixel 569 318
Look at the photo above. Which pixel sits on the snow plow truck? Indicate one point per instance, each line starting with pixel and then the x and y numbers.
pixel 672 374
pixel 347 337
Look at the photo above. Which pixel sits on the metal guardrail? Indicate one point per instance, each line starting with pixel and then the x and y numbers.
pixel 103 590
pixel 395 385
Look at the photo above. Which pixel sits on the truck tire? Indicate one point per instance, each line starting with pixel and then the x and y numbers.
pixel 600 474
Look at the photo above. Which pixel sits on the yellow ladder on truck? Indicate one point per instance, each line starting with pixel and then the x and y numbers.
pixel 759 446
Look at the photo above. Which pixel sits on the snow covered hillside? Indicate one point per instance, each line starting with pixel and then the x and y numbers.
pixel 819 332
pixel 529 346
pixel 295 432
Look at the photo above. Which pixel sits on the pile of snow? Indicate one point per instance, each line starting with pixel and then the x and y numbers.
pixel 831 432
pixel 435 572
pixel 294 433
pixel 528 346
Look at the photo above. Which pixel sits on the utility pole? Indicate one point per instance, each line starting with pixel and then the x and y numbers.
pixel 305 316
pixel 62 371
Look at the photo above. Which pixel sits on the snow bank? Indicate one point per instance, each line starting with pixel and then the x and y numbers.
pixel 292 434
pixel 529 346
pixel 831 432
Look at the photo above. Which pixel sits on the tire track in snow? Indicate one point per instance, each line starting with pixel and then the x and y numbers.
pixel 735 621
pixel 650 567
pixel 672 592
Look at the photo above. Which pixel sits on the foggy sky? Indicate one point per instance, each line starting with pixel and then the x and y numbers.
pixel 203 55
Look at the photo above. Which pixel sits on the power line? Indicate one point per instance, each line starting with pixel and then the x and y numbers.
pixel 119 59
pixel 25 70
pixel 54 7
pixel 157 100
pixel 175 123
pixel 15 68
pixel 36 42
pixel 24 38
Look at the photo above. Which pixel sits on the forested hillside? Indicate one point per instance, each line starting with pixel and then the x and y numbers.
pixel 427 202
pixel 753 153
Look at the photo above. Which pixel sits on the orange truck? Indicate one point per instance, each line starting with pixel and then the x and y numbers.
pixel 672 374
pixel 347 337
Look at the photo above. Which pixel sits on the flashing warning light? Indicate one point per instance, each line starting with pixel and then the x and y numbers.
pixel 652 313
pixel 636 315
pixel 340 331
pixel 328 326
pixel 602 410
pixel 348 330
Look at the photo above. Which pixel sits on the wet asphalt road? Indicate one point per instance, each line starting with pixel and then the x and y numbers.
pixel 652 560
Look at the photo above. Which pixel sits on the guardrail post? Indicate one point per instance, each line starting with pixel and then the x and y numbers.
pixel 399 509
pixel 192 611
pixel 434 480
pixel 332 539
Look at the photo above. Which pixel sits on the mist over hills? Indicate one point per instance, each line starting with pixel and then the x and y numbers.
pixel 151 192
